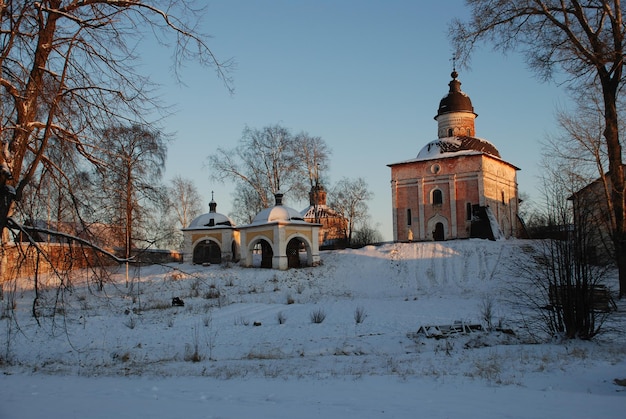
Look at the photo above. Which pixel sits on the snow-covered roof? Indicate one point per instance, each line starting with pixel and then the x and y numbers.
pixel 323 211
pixel 450 146
pixel 211 219
pixel 277 213
pixel 455 147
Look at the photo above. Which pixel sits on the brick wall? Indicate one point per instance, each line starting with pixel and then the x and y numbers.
pixel 23 258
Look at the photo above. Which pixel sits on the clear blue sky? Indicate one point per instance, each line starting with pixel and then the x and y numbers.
pixel 366 76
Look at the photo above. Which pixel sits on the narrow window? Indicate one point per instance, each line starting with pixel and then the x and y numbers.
pixel 408 216
pixel 437 197
pixel 502 194
pixel 468 211
pixel 449 132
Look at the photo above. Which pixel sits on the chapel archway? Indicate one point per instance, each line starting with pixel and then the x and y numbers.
pixel 293 252
pixel 262 254
pixel 207 251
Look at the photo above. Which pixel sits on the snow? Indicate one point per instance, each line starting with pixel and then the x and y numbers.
pixel 125 352
pixel 447 147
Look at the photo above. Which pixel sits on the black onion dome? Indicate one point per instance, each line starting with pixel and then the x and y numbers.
pixel 456 100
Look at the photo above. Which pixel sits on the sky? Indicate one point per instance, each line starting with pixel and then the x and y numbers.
pixel 365 76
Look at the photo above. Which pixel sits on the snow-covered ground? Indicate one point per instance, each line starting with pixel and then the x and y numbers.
pixel 244 344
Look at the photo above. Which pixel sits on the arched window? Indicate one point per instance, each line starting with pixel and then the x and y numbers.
pixel 450 132
pixel 408 216
pixel 437 197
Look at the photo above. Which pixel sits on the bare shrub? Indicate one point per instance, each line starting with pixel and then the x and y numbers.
pixel 212 293
pixel 489 369
pixel 300 288
pixel 195 288
pixel 359 315
pixel 131 322
pixel 486 312
pixel 123 357
pixel 157 305
pixel 192 350
pixel 272 353
pixel 241 321
pixel 290 299
pixel 318 316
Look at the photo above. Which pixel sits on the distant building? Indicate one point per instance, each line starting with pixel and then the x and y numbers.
pixel 277 238
pixel 280 239
pixel 333 230
pixel 211 238
pixel 593 218
pixel 458 186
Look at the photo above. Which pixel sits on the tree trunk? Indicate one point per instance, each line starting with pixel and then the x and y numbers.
pixel 616 171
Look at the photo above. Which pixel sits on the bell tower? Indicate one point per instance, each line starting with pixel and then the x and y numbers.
pixel 455 116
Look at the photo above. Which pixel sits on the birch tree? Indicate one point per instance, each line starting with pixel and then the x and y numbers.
pixel 266 161
pixel 349 198
pixel 132 160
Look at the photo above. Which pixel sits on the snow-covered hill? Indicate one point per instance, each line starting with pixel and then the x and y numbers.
pixel 244 344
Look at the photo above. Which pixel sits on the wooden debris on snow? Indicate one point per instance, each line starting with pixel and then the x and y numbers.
pixel 443 331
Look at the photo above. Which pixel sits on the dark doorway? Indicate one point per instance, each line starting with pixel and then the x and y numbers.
pixel 438 234
pixel 293 253
pixel 267 254
pixel 233 251
pixel 207 252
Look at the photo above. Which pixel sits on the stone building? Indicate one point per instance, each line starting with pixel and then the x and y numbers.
pixel 458 186
pixel 593 219
pixel 277 238
pixel 333 227
pixel 211 238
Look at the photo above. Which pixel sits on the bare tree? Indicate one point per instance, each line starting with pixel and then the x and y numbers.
pixel 186 200
pixel 366 234
pixel 183 203
pixel 585 40
pixel 582 151
pixel 313 153
pixel 349 198
pixel 60 194
pixel 68 70
pixel 266 161
pixel 246 204
pixel 132 162
pixel 561 281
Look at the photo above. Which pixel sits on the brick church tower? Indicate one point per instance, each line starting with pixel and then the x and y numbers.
pixel 458 186
pixel 334 227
